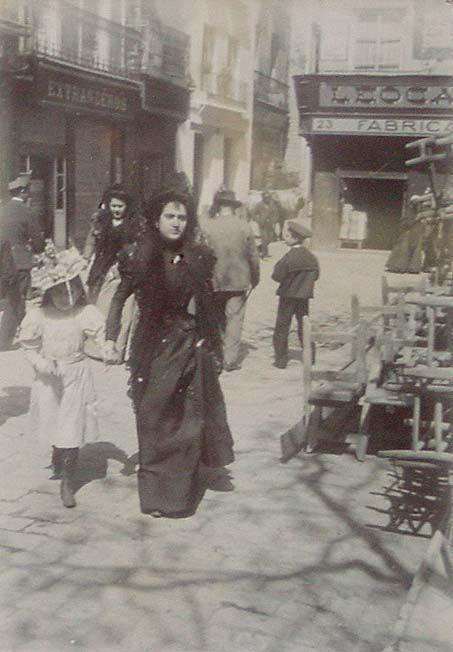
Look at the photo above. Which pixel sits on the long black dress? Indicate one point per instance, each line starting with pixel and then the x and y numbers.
pixel 180 412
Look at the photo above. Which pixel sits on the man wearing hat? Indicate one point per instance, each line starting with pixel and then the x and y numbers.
pixel 236 271
pixel 296 272
pixel 23 236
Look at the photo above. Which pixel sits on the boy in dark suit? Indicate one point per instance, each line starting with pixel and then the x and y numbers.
pixel 296 272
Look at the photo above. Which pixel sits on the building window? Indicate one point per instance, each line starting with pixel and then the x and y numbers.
pixel 377 41
pixel 117 156
pixel 228 163
pixel 208 50
pixel 60 182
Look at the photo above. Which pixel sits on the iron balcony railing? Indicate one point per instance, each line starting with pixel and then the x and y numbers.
pixel 11 17
pixel 270 91
pixel 224 87
pixel 62 31
pixel 168 52
pixel 10 11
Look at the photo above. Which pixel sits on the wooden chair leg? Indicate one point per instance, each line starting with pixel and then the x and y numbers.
pixel 438 418
pixel 313 423
pixel 416 424
pixel 363 439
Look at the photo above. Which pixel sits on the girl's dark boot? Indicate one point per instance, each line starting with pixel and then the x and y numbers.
pixel 56 463
pixel 69 466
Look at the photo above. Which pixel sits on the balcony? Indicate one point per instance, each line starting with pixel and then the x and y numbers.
pixel 10 20
pixel 64 32
pixel 270 91
pixel 168 53
pixel 225 88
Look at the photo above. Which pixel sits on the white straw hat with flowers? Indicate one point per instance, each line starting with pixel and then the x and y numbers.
pixel 53 268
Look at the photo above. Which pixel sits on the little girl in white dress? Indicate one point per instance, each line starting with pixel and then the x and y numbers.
pixel 63 399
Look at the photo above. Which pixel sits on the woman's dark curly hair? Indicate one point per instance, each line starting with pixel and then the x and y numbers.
pixel 158 201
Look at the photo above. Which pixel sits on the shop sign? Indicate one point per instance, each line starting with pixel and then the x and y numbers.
pixel 385 95
pixel 77 93
pixel 382 126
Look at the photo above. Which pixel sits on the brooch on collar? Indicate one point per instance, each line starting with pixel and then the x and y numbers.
pixel 177 259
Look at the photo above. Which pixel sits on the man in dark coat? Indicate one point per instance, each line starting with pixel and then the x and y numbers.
pixel 236 270
pixel 266 216
pixel 21 235
pixel 296 272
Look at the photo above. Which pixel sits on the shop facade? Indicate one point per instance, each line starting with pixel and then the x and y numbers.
pixel 357 127
pixel 79 132
pixel 70 129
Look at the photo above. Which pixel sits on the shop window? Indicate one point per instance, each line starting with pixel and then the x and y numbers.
pixel 378 40
pixel 60 182
pixel 117 156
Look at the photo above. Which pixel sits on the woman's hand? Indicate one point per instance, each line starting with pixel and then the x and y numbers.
pixel 218 364
pixel 45 366
pixel 110 354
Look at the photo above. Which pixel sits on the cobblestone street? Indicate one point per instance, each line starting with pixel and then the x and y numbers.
pixel 277 558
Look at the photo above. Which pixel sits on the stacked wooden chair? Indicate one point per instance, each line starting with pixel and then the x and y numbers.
pixel 334 387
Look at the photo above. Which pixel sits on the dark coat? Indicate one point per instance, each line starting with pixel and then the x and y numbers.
pixel 174 361
pixel 19 227
pixel 142 273
pixel 296 272
pixel 7 268
pixel 106 241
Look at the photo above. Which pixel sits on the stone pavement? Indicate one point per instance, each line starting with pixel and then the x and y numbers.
pixel 277 558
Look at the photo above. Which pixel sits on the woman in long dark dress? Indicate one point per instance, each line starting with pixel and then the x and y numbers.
pixel 175 359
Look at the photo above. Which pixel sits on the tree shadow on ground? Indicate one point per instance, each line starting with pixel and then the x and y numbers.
pixel 93 462
pixel 348 549
pixel 14 403
pixel 416 500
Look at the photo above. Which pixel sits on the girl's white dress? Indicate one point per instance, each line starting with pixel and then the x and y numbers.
pixel 62 406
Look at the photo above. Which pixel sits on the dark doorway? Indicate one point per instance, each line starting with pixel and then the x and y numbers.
pixel 382 200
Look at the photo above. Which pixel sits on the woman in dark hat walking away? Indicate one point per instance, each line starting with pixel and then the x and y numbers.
pixel 176 356
pixel 114 226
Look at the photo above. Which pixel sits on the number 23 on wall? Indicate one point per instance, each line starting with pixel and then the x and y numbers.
pixel 322 124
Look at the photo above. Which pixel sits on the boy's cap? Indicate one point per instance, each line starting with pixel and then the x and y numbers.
pixel 299 229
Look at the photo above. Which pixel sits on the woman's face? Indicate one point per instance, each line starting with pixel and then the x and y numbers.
pixel 117 208
pixel 172 221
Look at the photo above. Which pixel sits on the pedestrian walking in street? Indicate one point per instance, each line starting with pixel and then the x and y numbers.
pixel 20 236
pixel 280 216
pixel 176 356
pixel 296 272
pixel 236 272
pixel 266 216
pixel 113 227
pixel 63 400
